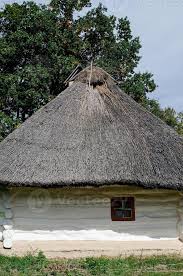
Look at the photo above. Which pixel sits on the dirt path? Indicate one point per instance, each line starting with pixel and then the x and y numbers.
pixel 77 249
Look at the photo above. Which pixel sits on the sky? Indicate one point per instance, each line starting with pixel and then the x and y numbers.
pixel 159 24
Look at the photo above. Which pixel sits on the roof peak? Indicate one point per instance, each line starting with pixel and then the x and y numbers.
pixel 92 75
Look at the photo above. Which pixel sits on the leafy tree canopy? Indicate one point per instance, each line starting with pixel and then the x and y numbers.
pixel 41 45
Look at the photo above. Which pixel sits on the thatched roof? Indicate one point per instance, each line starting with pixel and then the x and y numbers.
pixel 92 134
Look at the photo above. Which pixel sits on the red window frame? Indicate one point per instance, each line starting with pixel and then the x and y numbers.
pixel 122 204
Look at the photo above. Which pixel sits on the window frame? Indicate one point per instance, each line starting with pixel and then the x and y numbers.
pixel 114 217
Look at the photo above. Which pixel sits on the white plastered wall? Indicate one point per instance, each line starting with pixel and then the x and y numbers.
pixel 84 214
pixel 6 218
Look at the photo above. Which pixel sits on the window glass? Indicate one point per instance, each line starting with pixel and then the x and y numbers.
pixel 123 209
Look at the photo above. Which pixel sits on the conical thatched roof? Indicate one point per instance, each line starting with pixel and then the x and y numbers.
pixel 92 134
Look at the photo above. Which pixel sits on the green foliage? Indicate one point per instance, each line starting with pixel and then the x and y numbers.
pixel 138 85
pixel 39 265
pixel 66 8
pixel 96 31
pixel 7 125
pixel 41 45
pixel 168 115
pixel 179 126
pixel 173 119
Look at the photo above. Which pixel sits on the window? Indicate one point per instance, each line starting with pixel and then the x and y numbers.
pixel 123 209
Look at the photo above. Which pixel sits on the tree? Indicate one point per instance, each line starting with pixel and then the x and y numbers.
pixel 7 125
pixel 41 45
pixel 66 8
pixel 168 115
pixel 179 126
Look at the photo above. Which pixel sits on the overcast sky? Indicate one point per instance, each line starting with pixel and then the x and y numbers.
pixel 159 24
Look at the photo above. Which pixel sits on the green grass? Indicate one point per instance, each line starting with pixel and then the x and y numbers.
pixel 39 265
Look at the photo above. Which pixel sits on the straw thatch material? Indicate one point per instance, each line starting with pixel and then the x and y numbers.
pixel 92 134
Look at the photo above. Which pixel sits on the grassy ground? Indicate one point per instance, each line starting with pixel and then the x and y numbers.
pixel 39 265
